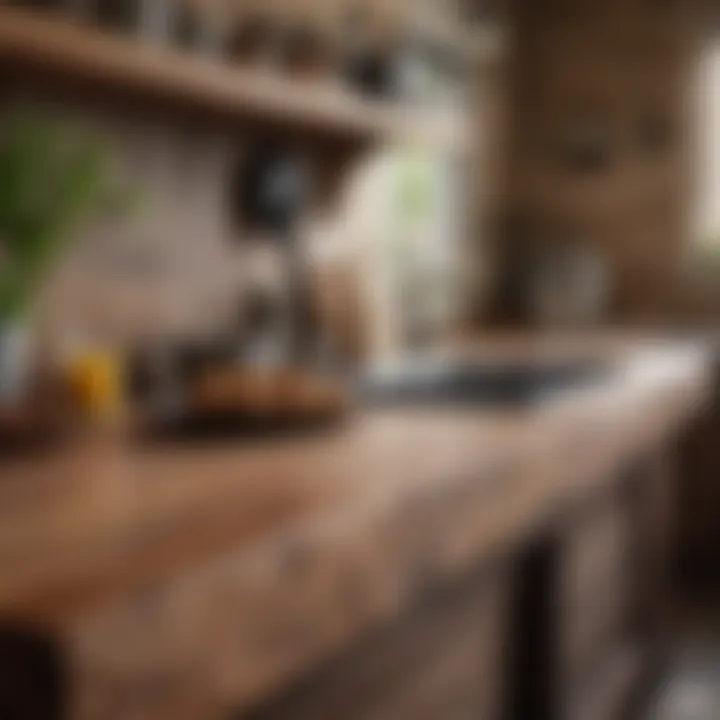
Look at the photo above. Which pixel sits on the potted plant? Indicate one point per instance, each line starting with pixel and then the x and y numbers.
pixel 53 176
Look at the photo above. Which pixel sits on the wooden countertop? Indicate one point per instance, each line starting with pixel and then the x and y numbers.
pixel 227 570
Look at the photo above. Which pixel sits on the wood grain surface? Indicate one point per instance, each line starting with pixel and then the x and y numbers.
pixel 223 572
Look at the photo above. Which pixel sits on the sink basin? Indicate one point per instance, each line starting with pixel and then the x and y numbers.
pixel 519 383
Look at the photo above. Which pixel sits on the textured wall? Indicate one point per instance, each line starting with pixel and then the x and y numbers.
pixel 174 262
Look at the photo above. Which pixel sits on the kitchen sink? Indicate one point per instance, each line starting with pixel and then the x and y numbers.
pixel 453 383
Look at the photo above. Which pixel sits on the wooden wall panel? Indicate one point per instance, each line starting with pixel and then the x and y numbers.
pixel 613 62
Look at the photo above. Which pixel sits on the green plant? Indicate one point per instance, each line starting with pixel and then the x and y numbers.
pixel 53 176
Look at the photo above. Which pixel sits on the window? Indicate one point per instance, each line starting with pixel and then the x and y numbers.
pixel 707 213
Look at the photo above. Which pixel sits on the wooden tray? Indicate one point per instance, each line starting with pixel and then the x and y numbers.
pixel 257 402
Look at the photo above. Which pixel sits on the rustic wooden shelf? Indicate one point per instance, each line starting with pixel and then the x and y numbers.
pixel 140 68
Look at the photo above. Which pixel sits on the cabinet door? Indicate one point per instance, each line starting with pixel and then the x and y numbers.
pixel 442 660
pixel 698 500
pixel 595 596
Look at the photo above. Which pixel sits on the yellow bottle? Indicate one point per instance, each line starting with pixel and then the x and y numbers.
pixel 96 379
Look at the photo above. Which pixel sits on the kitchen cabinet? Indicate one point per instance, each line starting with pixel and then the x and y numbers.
pixel 593 595
pixel 563 628
pixel 443 660
pixel 614 589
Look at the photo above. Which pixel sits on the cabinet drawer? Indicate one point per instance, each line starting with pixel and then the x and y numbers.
pixel 442 660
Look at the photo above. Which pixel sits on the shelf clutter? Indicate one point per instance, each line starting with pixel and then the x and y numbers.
pixel 313 102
